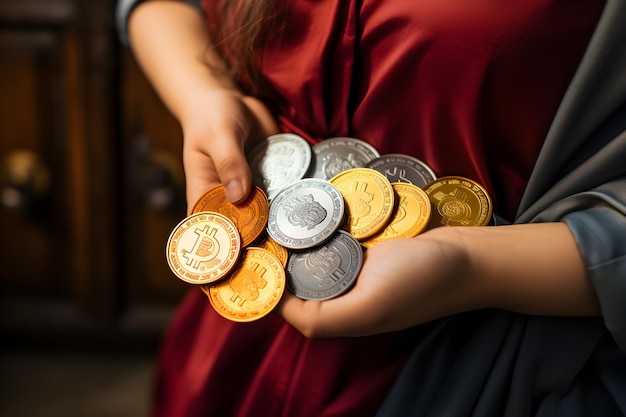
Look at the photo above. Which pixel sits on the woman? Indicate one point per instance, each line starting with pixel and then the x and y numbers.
pixel 528 100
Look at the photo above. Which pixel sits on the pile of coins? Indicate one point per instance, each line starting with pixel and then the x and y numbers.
pixel 312 212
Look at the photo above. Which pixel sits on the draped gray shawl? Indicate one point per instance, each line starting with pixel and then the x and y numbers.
pixel 498 363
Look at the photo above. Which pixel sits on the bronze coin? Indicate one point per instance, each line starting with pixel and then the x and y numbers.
pixel 203 248
pixel 250 216
pixel 267 243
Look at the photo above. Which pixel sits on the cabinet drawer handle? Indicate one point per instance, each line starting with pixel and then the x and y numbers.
pixel 24 180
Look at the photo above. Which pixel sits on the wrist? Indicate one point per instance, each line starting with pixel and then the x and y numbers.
pixel 464 287
pixel 204 109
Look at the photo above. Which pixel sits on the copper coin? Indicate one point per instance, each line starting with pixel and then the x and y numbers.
pixel 369 200
pixel 250 217
pixel 271 245
pixel 203 248
pixel 410 217
pixel 458 201
pixel 253 290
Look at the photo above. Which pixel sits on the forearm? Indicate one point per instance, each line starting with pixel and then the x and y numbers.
pixel 532 268
pixel 171 44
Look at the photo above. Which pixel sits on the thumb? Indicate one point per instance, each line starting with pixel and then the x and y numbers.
pixel 233 170
pixel 224 163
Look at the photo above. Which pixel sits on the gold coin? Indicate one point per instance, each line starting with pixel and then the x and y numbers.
pixel 270 244
pixel 458 201
pixel 410 217
pixel 369 199
pixel 203 248
pixel 250 217
pixel 253 290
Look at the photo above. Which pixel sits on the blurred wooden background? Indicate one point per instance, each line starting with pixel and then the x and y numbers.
pixel 91 184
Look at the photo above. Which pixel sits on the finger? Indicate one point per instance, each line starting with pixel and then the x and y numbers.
pixel 217 158
pixel 233 169
pixel 200 177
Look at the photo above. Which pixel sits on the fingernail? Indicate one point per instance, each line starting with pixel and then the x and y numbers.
pixel 234 191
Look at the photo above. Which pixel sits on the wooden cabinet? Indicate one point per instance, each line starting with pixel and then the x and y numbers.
pixel 90 181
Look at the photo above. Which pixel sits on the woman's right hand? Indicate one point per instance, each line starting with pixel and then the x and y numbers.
pixel 216 128
pixel 172 45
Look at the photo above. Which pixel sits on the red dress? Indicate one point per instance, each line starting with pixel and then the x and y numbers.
pixel 468 87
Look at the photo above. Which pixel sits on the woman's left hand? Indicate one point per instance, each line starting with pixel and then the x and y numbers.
pixel 528 268
pixel 402 283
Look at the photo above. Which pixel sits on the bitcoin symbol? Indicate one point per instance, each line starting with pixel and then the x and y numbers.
pixel 205 248
pixel 400 215
pixel 247 283
pixel 397 174
pixel 359 201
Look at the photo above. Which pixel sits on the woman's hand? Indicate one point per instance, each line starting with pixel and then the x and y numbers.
pixel 216 128
pixel 529 268
pixel 172 45
pixel 402 283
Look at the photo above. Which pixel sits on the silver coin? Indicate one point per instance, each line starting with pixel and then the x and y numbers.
pixel 335 155
pixel 278 161
pixel 327 270
pixel 403 168
pixel 305 213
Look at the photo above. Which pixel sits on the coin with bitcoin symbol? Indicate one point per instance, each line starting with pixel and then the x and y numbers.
pixel 252 291
pixel 203 248
pixel 410 217
pixel 369 200
pixel 458 201
pixel 250 216
pixel 267 243
pixel 327 270
pixel 403 168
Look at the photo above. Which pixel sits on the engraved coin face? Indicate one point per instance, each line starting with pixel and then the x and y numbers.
pixel 403 168
pixel 278 161
pixel 458 201
pixel 203 248
pixel 335 155
pixel 369 199
pixel 327 270
pixel 410 216
pixel 269 244
pixel 305 213
pixel 252 291
pixel 250 217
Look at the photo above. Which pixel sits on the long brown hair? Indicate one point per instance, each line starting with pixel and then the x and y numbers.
pixel 240 28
